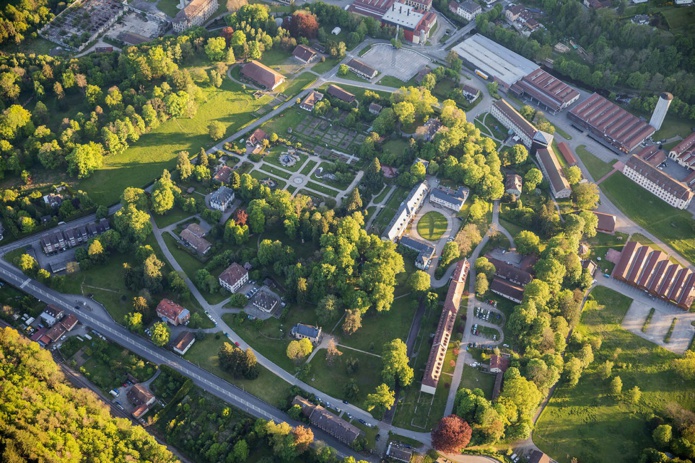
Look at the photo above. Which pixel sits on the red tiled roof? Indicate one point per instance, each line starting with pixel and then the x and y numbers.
pixel 549 90
pixel 517 119
pixel 645 162
pixel 500 361
pixel 223 174
pixel 606 222
pixel 566 153
pixel 184 340
pixel 69 322
pixel 169 309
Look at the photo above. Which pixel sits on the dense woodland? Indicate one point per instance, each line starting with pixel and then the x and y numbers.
pixel 23 17
pixel 45 419
pixel 625 55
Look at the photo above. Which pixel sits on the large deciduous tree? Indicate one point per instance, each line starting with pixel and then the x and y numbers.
pixel 395 360
pixel 451 435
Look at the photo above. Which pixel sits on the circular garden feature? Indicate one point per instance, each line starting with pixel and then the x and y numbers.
pixel 432 225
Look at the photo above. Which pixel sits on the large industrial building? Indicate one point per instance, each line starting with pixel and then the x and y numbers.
pixel 642 168
pixel 547 90
pixel 497 62
pixel 684 152
pixel 512 120
pixel 440 343
pixel 652 271
pixel 194 14
pixel 610 124
pixel 415 23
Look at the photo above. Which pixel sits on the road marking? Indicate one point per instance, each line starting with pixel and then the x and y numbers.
pixel 26 282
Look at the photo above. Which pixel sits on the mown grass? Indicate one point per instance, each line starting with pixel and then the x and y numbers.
pixel 267 386
pixel 600 244
pixel 671 225
pixel 596 167
pixel 389 209
pixel 432 225
pixel 473 378
pixel 587 422
pixel 157 150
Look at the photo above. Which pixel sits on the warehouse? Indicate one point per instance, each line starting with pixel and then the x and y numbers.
pixel 547 90
pixel 610 124
pixel 499 63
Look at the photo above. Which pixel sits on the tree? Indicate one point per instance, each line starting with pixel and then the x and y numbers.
pixel 303 24
pixel 586 196
pixel 163 194
pixel 215 48
pixel 327 309
pixel 160 334
pixel 616 386
pixel 352 322
pixel 27 263
pixel 527 242
pixel 140 304
pixel 354 201
pixel 662 435
pixel 216 130
pixel 605 370
pixel 240 451
pixel 303 437
pixel 298 350
pixel 343 70
pixel 532 179
pixel 133 223
pixel 518 154
pixel 382 399
pixel 85 159
pixel 481 284
pixel 183 165
pixel 395 360
pixel 451 435
pixel 95 251
pixel 373 177
pixel 685 366
pixel 573 175
pixel 405 111
pixel 332 352
pixel 133 321
pixel 450 252
pixel 634 395
pixel 483 265
pixel 419 281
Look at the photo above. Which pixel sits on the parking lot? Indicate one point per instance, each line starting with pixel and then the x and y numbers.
pixel 401 64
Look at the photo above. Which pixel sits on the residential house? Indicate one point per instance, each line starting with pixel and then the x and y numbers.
pixel 234 277
pixel 51 315
pixel 265 301
pixel 257 138
pixel 429 129
pixel 398 453
pixel 470 92
pixel 305 54
pixel 362 69
pixel 536 456
pixel 312 333
pixel 606 222
pixel 141 398
pixel 513 184
pixel 222 198
pixel 340 94
pixel 451 199
pixel 507 290
pixel 425 251
pixel 69 322
pixel 375 109
pixel 262 75
pixel 183 342
pixel 53 334
pixel 310 100
pixel 468 9
pixel 192 237
pixel 499 363
pixel 223 174
pixel 172 312
pixel 327 421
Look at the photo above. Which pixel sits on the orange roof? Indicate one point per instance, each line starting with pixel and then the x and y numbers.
pixel 169 309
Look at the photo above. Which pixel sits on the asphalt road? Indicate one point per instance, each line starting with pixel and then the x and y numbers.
pixel 201 378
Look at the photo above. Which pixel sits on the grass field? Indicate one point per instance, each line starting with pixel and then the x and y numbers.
pixel 332 379
pixel 380 197
pixel 296 85
pixel 597 168
pixel 171 217
pixel 586 422
pixel 390 81
pixel 601 243
pixel 397 146
pixel 327 65
pixel 432 225
pixel 389 209
pixel 473 378
pixel 257 174
pixel 267 386
pixel 307 168
pixel 671 225
pixel 275 171
pixel 330 192
pixel 157 150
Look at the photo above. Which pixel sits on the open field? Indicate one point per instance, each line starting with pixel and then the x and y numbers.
pixel 586 421
pixel 432 225
pixel 267 386
pixel 671 225
pixel 473 378
pixel 157 150
pixel 396 146
pixel 597 168
pixel 173 216
pixel 390 81
pixel 600 244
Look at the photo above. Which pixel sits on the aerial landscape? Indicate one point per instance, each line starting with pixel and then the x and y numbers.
pixel 347 231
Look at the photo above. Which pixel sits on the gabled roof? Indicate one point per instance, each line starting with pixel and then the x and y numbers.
pixel 233 274
pixel 170 309
pixel 339 93
pixel 69 322
pixel 361 67
pixel 223 174
pixel 139 395
pixel 183 341
pixel 606 222
pixel 262 74
pixel 552 167
pixel 500 361
pixel 309 331
pixel 304 53
pixel 201 245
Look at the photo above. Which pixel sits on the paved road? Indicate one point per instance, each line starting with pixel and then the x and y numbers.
pixel 201 378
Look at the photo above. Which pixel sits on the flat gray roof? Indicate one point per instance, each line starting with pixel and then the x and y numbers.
pixel 402 14
pixel 494 59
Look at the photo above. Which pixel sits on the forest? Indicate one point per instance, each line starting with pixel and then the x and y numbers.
pixel 45 419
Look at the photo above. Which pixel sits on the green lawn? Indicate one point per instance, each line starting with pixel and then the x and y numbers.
pixel 287 119
pixel 168 7
pixel 480 126
pixel 673 125
pixel 109 369
pixel 496 127
pixel 390 81
pixel 396 146
pixel 443 88
pixel 586 422
pixel 473 378
pixel 380 197
pixel 601 243
pixel 296 85
pixel 389 209
pixel 307 168
pixel 332 379
pixel 157 150
pixel 257 174
pixel 275 171
pixel 432 225
pixel 327 65
pixel 267 386
pixel 597 168
pixel 171 217
pixel 274 158
pixel 671 225
pixel 330 192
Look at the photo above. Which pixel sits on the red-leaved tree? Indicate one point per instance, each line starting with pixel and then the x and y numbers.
pixel 227 34
pixel 451 435
pixel 302 24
